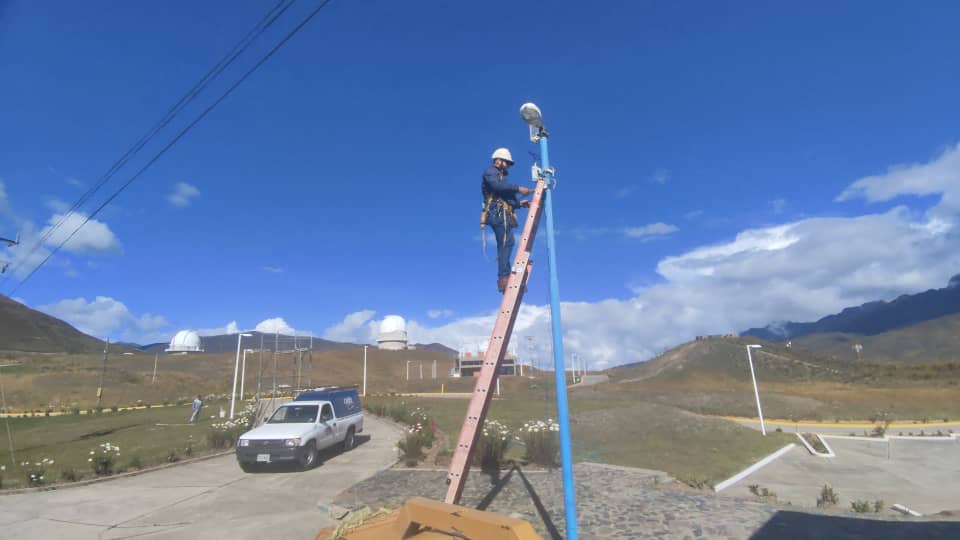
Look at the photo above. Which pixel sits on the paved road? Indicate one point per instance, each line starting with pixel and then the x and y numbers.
pixel 209 499
pixel 922 474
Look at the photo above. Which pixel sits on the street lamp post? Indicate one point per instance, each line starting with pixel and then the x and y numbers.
pixel 236 369
pixel 243 372
pixel 756 391
pixel 364 371
pixel 538 134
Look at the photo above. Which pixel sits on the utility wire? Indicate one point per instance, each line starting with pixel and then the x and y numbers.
pixel 179 135
pixel 239 48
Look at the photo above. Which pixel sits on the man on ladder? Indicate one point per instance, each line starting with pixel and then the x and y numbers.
pixel 499 203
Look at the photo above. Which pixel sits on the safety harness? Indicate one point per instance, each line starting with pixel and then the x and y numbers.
pixel 506 212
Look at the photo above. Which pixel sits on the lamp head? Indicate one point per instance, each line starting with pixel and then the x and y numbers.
pixel 531 115
pixel 754 346
pixel 246 335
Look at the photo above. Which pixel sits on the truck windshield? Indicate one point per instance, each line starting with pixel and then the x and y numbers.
pixel 294 414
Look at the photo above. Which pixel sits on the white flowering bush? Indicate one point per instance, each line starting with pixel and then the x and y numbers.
pixel 492 444
pixel 225 434
pixel 3 469
pixel 35 471
pixel 412 443
pixel 542 440
pixel 103 458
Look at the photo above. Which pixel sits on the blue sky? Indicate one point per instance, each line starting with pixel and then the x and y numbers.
pixel 721 165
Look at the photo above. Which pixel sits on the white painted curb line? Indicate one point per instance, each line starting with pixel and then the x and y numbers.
pixel 753 468
pixel 813 451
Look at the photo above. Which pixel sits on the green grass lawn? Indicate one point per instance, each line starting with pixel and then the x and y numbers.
pixel 618 429
pixel 147 436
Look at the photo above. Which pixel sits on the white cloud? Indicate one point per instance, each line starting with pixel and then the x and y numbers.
pixel 92 237
pixel 440 313
pixel 5 212
pixel 57 205
pixel 801 271
pixel 106 317
pixel 183 194
pixel 273 269
pixel 648 232
pixel 230 328
pixel 693 214
pixel 940 176
pixel 660 176
pixel 73 181
pixel 275 325
pixel 625 191
pixel 355 327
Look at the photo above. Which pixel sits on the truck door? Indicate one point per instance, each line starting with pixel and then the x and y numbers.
pixel 327 427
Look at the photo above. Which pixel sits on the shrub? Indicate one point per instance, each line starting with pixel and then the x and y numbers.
pixel 443 458
pixel 188 451
pixel 3 469
pixel 762 492
pixel 135 463
pixel 492 445
pixel 412 447
pixel 35 471
pixel 75 410
pixel 69 475
pixel 542 441
pixel 173 457
pixel 103 459
pixel 866 507
pixel 115 408
pixel 225 434
pixel 828 497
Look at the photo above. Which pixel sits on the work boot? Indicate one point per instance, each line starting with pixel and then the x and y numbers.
pixel 502 284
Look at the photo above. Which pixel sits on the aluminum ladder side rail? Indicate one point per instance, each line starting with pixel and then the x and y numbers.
pixel 493 358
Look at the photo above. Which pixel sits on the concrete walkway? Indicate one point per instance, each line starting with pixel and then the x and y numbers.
pixel 626 503
pixel 208 499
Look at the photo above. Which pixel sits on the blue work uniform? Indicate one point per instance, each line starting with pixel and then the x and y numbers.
pixel 498 214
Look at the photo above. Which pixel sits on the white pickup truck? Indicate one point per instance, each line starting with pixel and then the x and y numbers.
pixel 299 429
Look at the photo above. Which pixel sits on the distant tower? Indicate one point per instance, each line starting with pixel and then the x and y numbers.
pixel 393 333
pixel 858 347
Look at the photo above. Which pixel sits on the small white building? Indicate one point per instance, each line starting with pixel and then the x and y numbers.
pixel 185 341
pixel 393 334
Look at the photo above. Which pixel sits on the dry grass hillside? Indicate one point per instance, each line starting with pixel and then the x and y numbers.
pixel 712 376
pixel 937 340
pixel 25 329
pixel 65 381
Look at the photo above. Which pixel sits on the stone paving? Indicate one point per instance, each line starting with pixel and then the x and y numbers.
pixel 620 502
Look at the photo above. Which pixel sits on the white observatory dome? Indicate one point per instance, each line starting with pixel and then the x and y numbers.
pixel 185 341
pixel 393 333
pixel 392 323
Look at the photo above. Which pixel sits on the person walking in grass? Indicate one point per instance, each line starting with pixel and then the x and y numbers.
pixel 197 405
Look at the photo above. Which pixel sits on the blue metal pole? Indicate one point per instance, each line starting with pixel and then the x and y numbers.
pixel 560 374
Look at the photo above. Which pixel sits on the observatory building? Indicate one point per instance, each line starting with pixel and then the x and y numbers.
pixel 393 334
pixel 185 341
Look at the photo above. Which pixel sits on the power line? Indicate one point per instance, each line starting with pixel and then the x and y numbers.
pixel 179 136
pixel 239 48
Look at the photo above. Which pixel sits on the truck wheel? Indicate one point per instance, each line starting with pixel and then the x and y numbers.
pixel 308 458
pixel 248 467
pixel 348 440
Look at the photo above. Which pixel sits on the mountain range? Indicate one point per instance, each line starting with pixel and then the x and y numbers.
pixel 872 318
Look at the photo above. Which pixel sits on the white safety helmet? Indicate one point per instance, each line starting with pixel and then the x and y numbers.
pixel 504 154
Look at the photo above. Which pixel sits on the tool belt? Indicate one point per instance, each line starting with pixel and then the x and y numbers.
pixel 499 205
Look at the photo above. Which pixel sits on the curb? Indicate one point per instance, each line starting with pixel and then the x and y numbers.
pixel 753 468
pixel 53 487
pixel 829 453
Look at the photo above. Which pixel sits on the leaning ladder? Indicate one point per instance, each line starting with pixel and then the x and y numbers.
pixel 480 400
